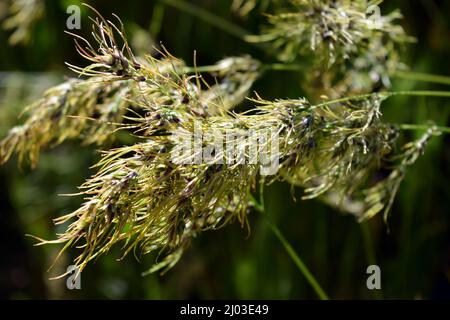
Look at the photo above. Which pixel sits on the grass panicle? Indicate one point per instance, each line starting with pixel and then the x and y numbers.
pixel 354 49
pixel 114 87
pixel 145 200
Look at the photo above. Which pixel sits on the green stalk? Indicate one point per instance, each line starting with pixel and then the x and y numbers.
pixel 283 67
pixel 208 17
pixel 424 77
pixel 388 94
pixel 157 20
pixel 200 69
pixel 298 261
pixel 292 254
pixel 404 126
pixel 264 68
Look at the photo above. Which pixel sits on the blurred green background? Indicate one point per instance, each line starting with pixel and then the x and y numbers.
pixel 414 255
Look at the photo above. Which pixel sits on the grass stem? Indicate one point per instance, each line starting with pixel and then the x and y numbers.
pixel 404 126
pixel 207 17
pixel 298 261
pixel 387 94
pixel 157 20
pixel 423 77
pixel 292 254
